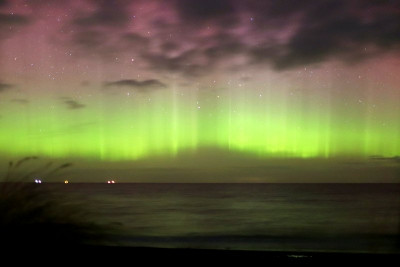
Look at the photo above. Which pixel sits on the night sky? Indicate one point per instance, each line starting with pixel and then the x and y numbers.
pixel 211 84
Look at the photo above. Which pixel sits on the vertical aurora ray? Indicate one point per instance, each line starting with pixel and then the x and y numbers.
pixel 269 123
pixel 207 86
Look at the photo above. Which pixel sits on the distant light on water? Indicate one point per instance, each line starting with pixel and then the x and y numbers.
pixel 66 182
pixel 38 181
pixel 110 182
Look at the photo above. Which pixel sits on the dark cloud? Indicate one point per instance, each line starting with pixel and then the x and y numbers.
pixel 191 63
pixel 317 31
pixel 395 159
pixel 72 104
pixel 108 44
pixel 107 13
pixel 90 39
pixel 5 86
pixel 284 34
pixel 169 46
pixel 225 45
pixel 265 12
pixel 100 32
pixel 331 30
pixel 195 62
pixel 7 20
pixel 20 101
pixel 9 23
pixel 222 12
pixel 137 85
pixel 135 40
pixel 97 43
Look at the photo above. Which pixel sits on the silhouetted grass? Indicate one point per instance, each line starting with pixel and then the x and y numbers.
pixel 32 216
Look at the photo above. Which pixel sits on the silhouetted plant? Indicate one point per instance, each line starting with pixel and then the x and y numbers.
pixel 32 216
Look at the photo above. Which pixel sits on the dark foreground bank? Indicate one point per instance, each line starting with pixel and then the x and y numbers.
pixel 128 256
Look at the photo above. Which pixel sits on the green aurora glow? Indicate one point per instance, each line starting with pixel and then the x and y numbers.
pixel 137 80
pixel 267 123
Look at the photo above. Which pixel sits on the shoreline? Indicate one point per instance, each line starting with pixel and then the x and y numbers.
pixel 114 254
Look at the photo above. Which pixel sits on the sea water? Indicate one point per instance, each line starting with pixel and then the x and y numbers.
pixel 274 217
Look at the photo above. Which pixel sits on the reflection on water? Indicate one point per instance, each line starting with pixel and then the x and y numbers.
pixel 333 217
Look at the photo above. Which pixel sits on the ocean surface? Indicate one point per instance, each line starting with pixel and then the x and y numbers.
pixel 273 217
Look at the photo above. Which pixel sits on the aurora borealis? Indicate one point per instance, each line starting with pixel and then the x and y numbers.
pixel 129 80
